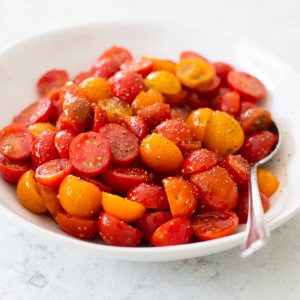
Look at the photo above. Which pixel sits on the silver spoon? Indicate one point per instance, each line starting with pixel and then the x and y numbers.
pixel 257 231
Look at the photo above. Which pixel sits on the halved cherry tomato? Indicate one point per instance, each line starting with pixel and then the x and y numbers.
pixel 199 161
pixel 245 105
pixel 117 233
pixel 195 101
pixel 126 85
pixel 176 99
pixel 116 53
pixel 64 124
pixel 134 124
pixel 222 70
pixel 123 143
pixel 187 147
pixel 255 119
pixel 181 112
pixel 12 170
pixel 230 103
pixel 82 76
pixel 267 182
pixel 70 92
pixel 51 80
pixel 43 148
pixel 188 54
pixel 100 118
pixel 150 195
pixel 151 221
pixel 80 228
pixel 90 153
pixel 96 181
pixel 96 89
pixel 248 86
pixel 15 142
pixel 181 196
pixel 147 98
pixel 142 66
pixel 38 128
pixel 209 225
pixel 62 141
pixel 216 188
pixel 122 179
pixel 105 68
pixel 258 145
pixel 162 64
pixel 211 89
pixel 37 112
pixel 174 232
pixel 53 172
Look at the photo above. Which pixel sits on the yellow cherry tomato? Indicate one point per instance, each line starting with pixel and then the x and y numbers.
pixel 223 133
pixel 144 99
pixel 115 109
pixel 96 88
pixel 198 120
pixel 164 82
pixel 162 65
pixel 160 154
pixel 122 208
pixel 28 194
pixel 267 182
pixel 38 128
pixel 79 198
pixel 194 72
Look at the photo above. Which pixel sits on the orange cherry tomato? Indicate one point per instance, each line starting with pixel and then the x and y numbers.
pixel 96 89
pixel 147 98
pixel 267 182
pixel 162 65
pixel 38 128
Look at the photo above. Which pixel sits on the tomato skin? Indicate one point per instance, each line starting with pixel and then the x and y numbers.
pixel 124 144
pixel 80 228
pixel 210 225
pixel 117 233
pixel 222 70
pixel 187 147
pixel 105 68
pixel 116 53
pixel 126 85
pixel 43 149
pixel 258 145
pixel 187 54
pixel 230 103
pixel 51 80
pixel 12 171
pixel 122 179
pixel 142 66
pixel 177 99
pixel 267 182
pixel 151 221
pixel 211 89
pixel 245 105
pixel 136 125
pixel 195 101
pixel 100 118
pixel 62 141
pixel 63 124
pixel 150 195
pixel 82 76
pixel 15 142
pixel 174 232
pixel 216 188
pixel 199 161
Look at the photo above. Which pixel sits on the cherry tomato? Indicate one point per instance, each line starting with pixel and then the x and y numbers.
pixel 62 141
pixel 162 65
pixel 136 125
pixel 255 119
pixel 210 225
pixel 267 182
pixel 38 128
pixel 117 53
pixel 217 188
pixel 230 103
pixel 194 101
pixel 80 228
pixel 122 179
pixel 96 89
pixel 245 105
pixel 124 144
pixel 12 170
pixel 258 145
pixel 150 195
pixel 15 142
pixel 117 233
pixel 210 89
pixel 100 118
pixel 199 161
pixel 181 112
pixel 147 98
pixel 142 66
pixel 37 112
pixel 105 68
pixel 90 153
pixel 96 181
pixel 188 54
pixel 249 87
pixel 187 147
pixel 82 76
pixel 43 148
pixel 51 80
pixel 126 85
pixel 181 196
pixel 176 99
pixel 222 70
pixel 63 124
pixel 53 172
pixel 174 232
pixel 150 222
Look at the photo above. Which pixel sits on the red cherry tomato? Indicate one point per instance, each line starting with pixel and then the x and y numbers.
pixel 154 114
pixel 174 232
pixel 258 145
pixel 211 89
pixel 38 112
pixel 245 105
pixel 199 161
pixel 230 103
pixel 43 148
pixel 100 118
pixel 210 225
pixel 142 66
pixel 116 53
pixel 62 141
pixel 195 101
pixel 249 87
pixel 90 153
pixel 53 172
pixel 150 222
pixel 64 124
pixel 216 188
pixel 150 195
pixel 124 144
pixel 96 181
pixel 117 233
pixel 134 124
pixel 15 142
pixel 222 70
pixel 82 76
pixel 51 80
pixel 57 110
pixel 187 147
pixel 105 68
pixel 187 54
pixel 122 179
pixel 80 228
pixel 12 171
pixel 181 112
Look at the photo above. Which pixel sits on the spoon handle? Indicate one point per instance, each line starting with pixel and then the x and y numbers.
pixel 257 232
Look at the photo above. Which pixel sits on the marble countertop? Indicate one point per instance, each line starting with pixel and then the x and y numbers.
pixel 33 268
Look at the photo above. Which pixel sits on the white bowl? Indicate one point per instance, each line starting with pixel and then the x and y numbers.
pixel 77 48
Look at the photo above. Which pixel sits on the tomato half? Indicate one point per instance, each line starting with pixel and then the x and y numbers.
pixel 134 124
pixel 222 70
pixel 100 118
pixel 142 66
pixel 230 103
pixel 116 53
pixel 62 141
pixel 105 68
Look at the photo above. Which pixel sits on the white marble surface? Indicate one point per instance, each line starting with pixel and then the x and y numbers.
pixel 33 268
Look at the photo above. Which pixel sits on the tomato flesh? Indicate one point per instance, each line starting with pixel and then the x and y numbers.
pixel 136 125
